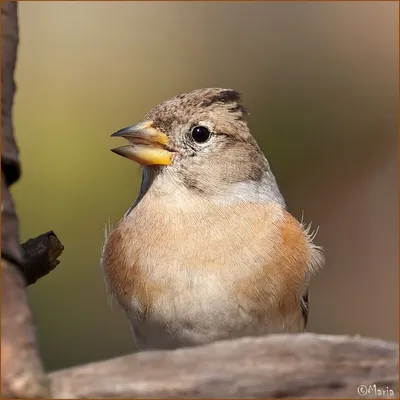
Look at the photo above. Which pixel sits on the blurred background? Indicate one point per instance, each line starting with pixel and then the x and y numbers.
pixel 321 83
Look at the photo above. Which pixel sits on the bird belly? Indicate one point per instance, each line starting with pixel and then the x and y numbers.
pixel 202 312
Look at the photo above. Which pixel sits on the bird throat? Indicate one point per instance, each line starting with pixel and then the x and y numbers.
pixel 168 189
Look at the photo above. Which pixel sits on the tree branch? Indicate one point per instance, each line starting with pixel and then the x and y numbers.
pixel 9 43
pixel 304 365
pixel 22 375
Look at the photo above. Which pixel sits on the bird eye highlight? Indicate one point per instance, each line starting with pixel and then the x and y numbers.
pixel 200 134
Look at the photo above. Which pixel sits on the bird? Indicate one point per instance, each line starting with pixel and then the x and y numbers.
pixel 208 250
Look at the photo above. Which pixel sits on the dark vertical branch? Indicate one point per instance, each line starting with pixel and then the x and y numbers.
pixel 9 43
pixel 22 375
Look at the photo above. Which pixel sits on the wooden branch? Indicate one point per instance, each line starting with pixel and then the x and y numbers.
pixel 304 365
pixel 22 375
pixel 41 255
pixel 9 152
pixel 9 43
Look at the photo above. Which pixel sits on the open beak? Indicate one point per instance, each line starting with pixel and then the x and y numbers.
pixel 147 144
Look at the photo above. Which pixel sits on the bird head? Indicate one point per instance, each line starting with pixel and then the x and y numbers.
pixel 201 138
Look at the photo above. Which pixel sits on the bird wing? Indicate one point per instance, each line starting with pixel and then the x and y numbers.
pixel 304 308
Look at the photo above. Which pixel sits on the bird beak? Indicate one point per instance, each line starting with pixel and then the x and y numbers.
pixel 147 144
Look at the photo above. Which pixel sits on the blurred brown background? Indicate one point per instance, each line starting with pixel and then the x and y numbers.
pixel 321 83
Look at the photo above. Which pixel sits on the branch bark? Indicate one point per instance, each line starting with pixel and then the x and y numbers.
pixel 22 374
pixel 277 366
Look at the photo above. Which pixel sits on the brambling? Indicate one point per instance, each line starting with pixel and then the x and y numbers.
pixel 208 250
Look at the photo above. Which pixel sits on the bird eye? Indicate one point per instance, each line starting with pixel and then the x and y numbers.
pixel 200 134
